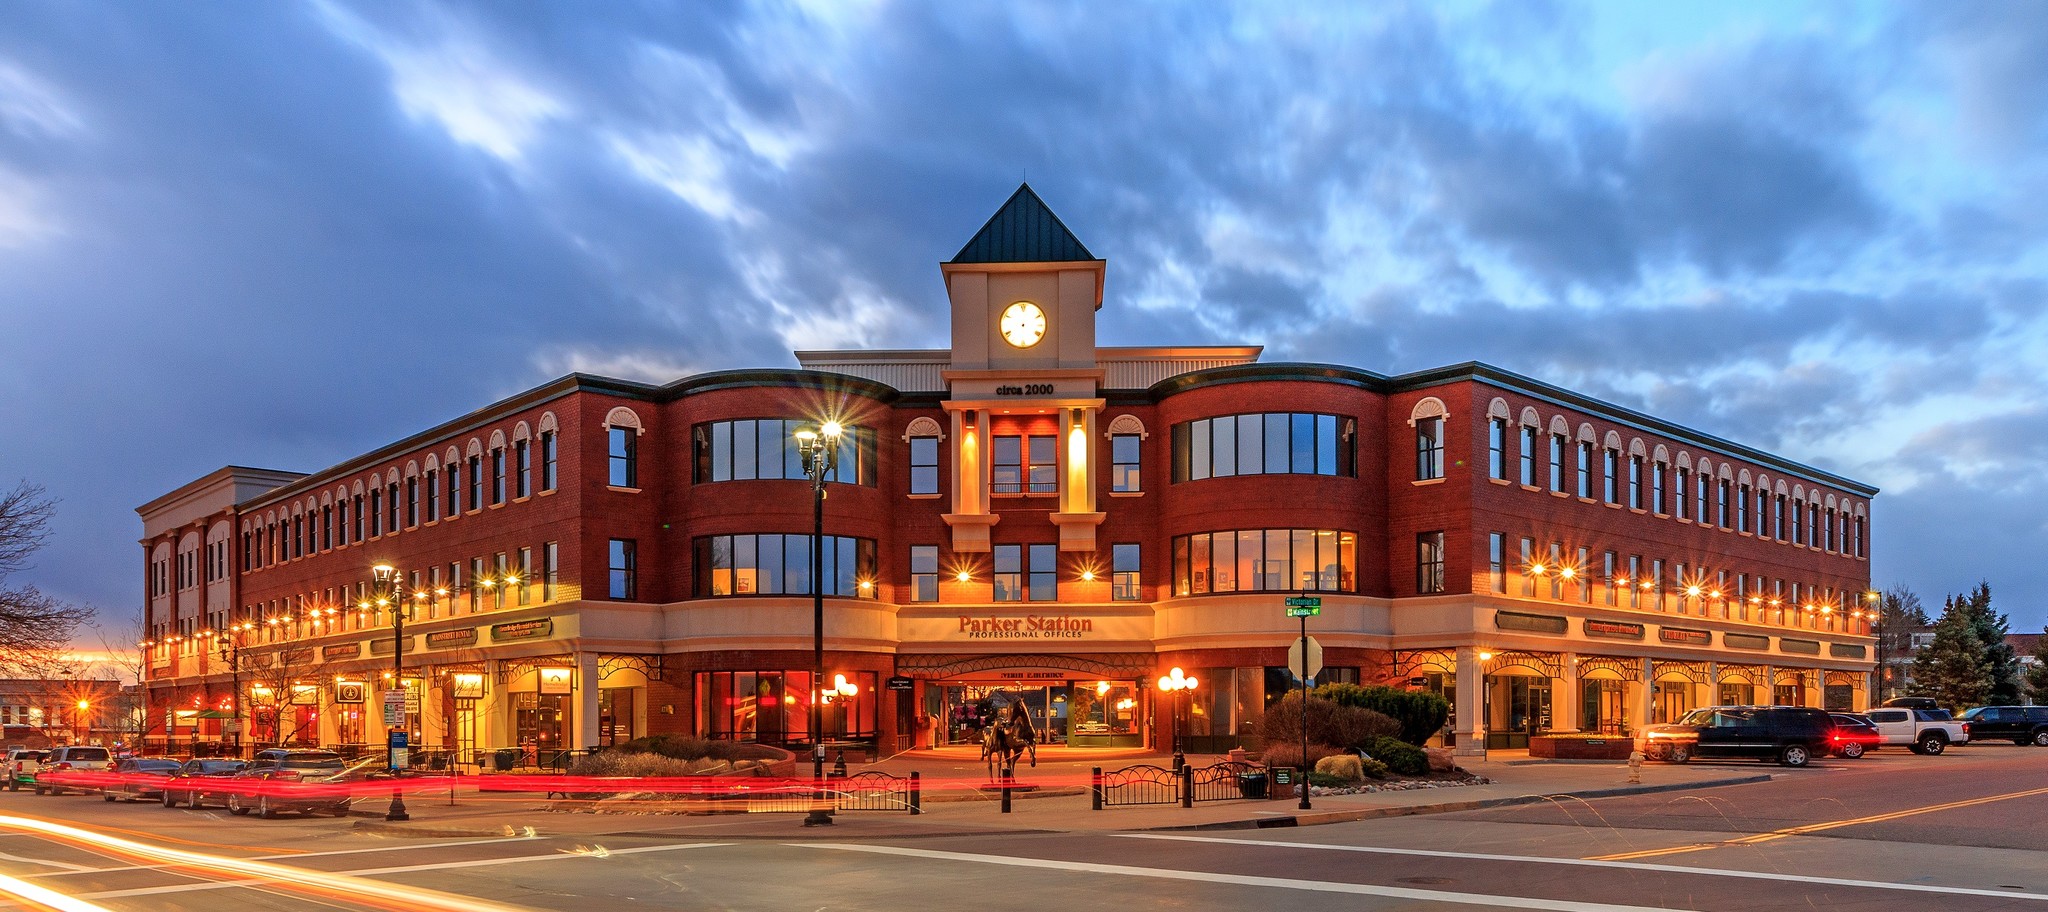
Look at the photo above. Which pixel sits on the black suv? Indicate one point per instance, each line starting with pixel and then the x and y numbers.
pixel 1791 735
pixel 2018 724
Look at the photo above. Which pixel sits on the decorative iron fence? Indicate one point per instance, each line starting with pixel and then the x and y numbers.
pixel 876 791
pixel 1135 785
pixel 1227 781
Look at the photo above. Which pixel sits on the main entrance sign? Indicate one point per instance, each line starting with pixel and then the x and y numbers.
pixel 1028 627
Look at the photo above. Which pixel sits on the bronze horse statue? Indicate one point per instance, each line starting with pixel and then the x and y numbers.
pixel 1002 742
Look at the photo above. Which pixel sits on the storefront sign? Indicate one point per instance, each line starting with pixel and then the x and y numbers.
pixel 899 682
pixel 295 656
pixel 1685 637
pixel 384 646
pixel 1613 630
pixel 344 651
pixel 1028 627
pixel 1745 641
pixel 1534 623
pixel 523 630
pixel 1803 647
pixel 349 691
pixel 467 685
pixel 450 639
pixel 554 680
pixel 1845 651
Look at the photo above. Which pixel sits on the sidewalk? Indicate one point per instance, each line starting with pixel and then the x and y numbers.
pixel 955 804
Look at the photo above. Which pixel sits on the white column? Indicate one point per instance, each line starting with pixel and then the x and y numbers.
pixel 1471 726
pixel 1564 695
pixel 1646 695
pixel 586 701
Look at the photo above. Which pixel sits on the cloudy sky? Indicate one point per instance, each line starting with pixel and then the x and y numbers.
pixel 280 234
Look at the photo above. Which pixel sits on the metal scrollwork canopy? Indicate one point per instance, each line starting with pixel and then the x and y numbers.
pixel 1140 665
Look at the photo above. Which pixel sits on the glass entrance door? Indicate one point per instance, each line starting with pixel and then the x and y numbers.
pixel 1517 706
pixel 1604 706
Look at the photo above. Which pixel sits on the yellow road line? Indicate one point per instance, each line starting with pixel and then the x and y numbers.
pixel 1816 827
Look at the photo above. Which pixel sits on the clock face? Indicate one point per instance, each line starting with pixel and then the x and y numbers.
pixel 1023 324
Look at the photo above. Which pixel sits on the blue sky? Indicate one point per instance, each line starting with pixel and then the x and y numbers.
pixel 281 234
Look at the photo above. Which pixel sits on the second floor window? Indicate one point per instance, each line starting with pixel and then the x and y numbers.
pixel 476 482
pixel 1124 474
pixel 547 460
pixel 522 463
pixel 924 466
pixel 1635 482
pixel 623 569
pixel 1261 444
pixel 924 573
pixel 766 448
pixel 1045 573
pixel 1124 576
pixel 1429 448
pixel 623 451
pixel 497 476
pixel 1557 444
pixel 1025 465
pixel 1585 469
pixel 1529 456
pixel 777 564
pixel 1007 584
pixel 1429 563
pixel 1497 448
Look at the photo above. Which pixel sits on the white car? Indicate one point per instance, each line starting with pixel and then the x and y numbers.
pixel 1923 731
pixel 73 768
pixel 21 766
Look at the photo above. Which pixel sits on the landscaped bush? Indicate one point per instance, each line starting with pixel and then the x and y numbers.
pixel 1289 754
pixel 1420 714
pixel 638 765
pixel 1341 727
pixel 1399 756
pixel 681 748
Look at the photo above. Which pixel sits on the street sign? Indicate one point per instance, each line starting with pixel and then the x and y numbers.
pixel 1299 606
pixel 1315 658
pixel 394 708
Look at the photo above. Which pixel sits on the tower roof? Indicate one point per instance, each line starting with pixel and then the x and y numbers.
pixel 1024 230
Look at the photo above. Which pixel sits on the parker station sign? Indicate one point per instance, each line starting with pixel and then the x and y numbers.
pixel 1026 627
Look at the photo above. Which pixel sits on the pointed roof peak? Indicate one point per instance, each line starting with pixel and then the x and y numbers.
pixel 1024 230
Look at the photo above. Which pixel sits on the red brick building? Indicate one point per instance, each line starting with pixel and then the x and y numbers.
pixel 1023 517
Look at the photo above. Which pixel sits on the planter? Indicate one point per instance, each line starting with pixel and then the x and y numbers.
pixel 1605 747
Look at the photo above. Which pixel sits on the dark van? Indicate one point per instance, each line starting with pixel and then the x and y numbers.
pixel 1791 735
pixel 2018 724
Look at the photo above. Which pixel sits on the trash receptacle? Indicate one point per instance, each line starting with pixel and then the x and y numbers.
pixel 1252 784
pixel 507 758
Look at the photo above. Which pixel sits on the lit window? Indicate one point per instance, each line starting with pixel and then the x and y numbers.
pixel 1007 582
pixel 1429 563
pixel 924 572
pixel 624 568
pixel 1124 573
pixel 1124 474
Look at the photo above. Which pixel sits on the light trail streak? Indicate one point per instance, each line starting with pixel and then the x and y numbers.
pixel 45 897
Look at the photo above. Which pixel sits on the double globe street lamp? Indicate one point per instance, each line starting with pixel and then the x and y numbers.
pixel 1179 685
pixel 819 446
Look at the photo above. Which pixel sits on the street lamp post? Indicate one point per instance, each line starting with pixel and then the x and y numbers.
pixel 1877 613
pixel 390 591
pixel 819 445
pixel 1179 685
pixel 81 729
pixel 229 645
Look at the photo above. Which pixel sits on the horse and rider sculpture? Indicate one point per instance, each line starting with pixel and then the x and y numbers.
pixel 1007 738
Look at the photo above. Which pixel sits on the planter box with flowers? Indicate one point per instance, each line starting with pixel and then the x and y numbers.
pixel 1581 746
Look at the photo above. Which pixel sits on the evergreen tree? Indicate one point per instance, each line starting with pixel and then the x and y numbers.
pixel 1952 669
pixel 2037 673
pixel 2000 662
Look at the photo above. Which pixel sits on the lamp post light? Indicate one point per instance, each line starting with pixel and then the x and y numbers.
pixel 1178 684
pixel 388 590
pixel 819 446
pixel 229 645
pixel 1876 613
pixel 80 728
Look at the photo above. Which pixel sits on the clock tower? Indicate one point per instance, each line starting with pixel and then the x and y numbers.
pixel 1024 294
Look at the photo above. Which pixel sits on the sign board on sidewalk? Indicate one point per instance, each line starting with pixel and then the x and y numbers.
pixel 899 682
pixel 1315 658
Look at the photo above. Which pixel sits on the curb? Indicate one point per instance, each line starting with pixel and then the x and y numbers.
pixel 1451 807
pixel 380 828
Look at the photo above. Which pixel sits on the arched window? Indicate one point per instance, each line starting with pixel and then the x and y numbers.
pixel 1428 420
pixel 622 435
pixel 1125 434
pixel 924 437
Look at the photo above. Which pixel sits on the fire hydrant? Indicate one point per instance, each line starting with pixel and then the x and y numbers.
pixel 1635 767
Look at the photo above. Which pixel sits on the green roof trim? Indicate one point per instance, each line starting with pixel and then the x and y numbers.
pixel 1024 230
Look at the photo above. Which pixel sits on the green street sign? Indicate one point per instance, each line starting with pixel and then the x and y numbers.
pixel 1304 606
pixel 1303 612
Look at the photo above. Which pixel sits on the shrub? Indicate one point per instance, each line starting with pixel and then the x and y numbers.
pixel 1328 723
pixel 1420 714
pixel 1289 754
pixel 636 764
pixel 680 748
pixel 1342 766
pixel 1373 768
pixel 1399 756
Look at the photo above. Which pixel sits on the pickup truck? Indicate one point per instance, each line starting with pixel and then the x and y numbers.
pixel 1923 731
pixel 73 767
pixel 21 766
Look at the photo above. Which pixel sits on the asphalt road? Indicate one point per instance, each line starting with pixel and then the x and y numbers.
pixel 1958 832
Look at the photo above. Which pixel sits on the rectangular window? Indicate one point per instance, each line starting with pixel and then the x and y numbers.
pixel 1579 578
pixel 503 574
pixel 454 488
pixel 1529 456
pixel 326 538
pixel 1007 584
pixel 1557 442
pixel 1271 560
pixel 476 482
pixel 1528 565
pixel 1045 573
pixel 1555 568
pixel 478 579
pixel 522 463
pixel 1657 584
pixel 525 575
pixel 1609 480
pixel 1125 476
pixel 924 568
pixel 1635 482
pixel 924 467
pixel 433 492
pixel 1429 563
pixel 1496 561
pixel 550 570
pixel 623 455
pixel 412 503
pixel 1700 485
pixel 1635 581
pixel 497 476
pixel 1657 503
pixel 624 568
pixel 376 513
pixel 1007 465
pixel 1684 502
pixel 1607 575
pixel 1041 456
pixel 1721 503
pixel 1429 448
pixel 391 508
pixel 1742 508
pixel 1585 469
pixel 1497 448
pixel 547 460
pixel 1124 573
pixel 1260 444
pixel 341 526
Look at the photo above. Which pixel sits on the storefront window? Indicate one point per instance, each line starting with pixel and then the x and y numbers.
pixel 540 721
pixel 615 716
pixel 349 724
pixel 781 565
pixel 774 706
pixel 1269 560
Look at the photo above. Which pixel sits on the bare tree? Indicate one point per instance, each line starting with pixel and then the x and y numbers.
pixel 34 628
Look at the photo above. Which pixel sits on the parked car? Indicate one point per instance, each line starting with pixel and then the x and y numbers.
pixel 301 781
pixel 139 778
pixel 1911 703
pixel 22 763
pixel 1854 733
pixel 74 767
pixel 1792 735
pixel 200 780
pixel 1924 731
pixel 2018 724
